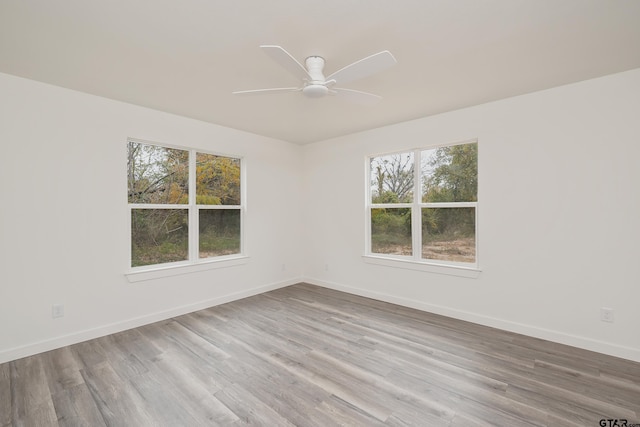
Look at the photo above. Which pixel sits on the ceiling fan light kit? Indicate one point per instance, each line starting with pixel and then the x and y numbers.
pixel 313 82
pixel 315 90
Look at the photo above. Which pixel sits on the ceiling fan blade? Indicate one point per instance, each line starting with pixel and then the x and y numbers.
pixel 357 96
pixel 286 61
pixel 365 67
pixel 270 90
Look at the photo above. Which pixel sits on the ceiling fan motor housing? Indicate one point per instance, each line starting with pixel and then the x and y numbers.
pixel 316 88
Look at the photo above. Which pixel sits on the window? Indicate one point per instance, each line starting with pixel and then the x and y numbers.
pixel 422 205
pixel 185 205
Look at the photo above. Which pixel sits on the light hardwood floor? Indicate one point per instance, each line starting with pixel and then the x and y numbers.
pixel 309 356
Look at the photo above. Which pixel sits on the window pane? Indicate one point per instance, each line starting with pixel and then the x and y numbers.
pixel 219 232
pixel 159 236
pixel 392 178
pixel 391 231
pixel 449 234
pixel 157 174
pixel 450 174
pixel 217 180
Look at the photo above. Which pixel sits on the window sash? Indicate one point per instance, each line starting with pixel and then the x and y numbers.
pixel 223 241
pixel 193 214
pixel 416 212
pixel 439 260
pixel 397 241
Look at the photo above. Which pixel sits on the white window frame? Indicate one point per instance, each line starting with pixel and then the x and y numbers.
pixel 194 263
pixel 415 261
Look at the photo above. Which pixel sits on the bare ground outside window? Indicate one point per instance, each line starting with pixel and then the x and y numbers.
pixel 458 250
pixel 449 234
pixel 391 249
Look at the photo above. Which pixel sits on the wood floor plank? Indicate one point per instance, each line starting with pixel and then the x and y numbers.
pixel 117 400
pixel 311 356
pixel 5 397
pixel 278 388
pixel 162 402
pixel 89 354
pixel 343 414
pixel 31 403
pixel 285 394
pixel 367 403
pixel 194 392
pixel 62 370
pixel 250 410
pixel 5 371
pixel 590 386
pixel 75 406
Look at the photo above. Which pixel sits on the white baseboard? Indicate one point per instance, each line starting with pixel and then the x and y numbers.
pixel 546 334
pixel 624 352
pixel 76 337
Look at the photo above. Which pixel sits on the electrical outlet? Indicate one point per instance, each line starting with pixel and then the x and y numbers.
pixel 606 314
pixel 284 267
pixel 326 267
pixel 57 310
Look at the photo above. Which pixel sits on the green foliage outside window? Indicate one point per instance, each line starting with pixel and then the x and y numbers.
pixel 450 174
pixel 391 231
pixel 159 236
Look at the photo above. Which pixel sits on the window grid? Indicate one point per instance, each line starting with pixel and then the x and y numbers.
pixel 416 207
pixel 193 210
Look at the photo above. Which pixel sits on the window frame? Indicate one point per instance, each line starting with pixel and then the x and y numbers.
pixel 193 262
pixel 415 261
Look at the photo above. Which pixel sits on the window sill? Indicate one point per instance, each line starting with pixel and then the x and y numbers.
pixel 410 264
pixel 176 270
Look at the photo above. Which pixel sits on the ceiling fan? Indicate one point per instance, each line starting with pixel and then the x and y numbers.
pixel 313 82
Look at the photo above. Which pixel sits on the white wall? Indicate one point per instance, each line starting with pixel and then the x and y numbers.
pixel 559 209
pixel 559 202
pixel 63 220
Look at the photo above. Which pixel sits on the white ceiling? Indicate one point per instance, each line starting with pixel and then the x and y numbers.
pixel 187 56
